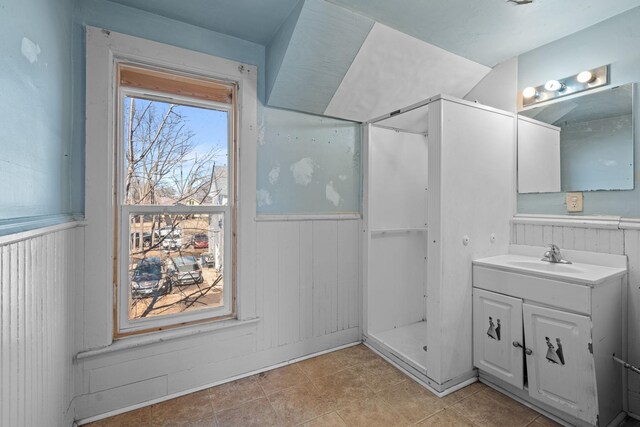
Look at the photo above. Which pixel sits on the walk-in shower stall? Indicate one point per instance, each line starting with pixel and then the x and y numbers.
pixel 432 204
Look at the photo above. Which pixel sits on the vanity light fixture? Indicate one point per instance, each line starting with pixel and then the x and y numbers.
pixel 585 77
pixel 585 80
pixel 554 86
pixel 529 92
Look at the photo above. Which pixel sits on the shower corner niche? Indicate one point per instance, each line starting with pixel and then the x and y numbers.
pixel 433 202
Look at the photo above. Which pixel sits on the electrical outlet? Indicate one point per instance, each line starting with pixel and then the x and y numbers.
pixel 574 202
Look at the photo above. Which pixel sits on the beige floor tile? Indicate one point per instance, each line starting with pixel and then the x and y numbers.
pixel 515 406
pixel 458 395
pixel 378 374
pixel 235 393
pixel 343 387
pixel 298 404
pixel 543 421
pixel 332 419
pixel 445 418
pixel 282 378
pixel 372 413
pixel 324 365
pixel 183 410
pixel 412 400
pixel 256 413
pixel 136 418
pixel 483 411
pixel 207 422
pixel 357 354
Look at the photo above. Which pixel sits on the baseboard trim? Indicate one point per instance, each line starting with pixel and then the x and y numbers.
pixel 420 380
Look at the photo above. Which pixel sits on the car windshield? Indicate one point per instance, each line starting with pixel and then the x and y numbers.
pixel 147 269
pixel 187 267
pixel 187 263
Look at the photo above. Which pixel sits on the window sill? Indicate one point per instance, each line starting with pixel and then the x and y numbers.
pixel 308 217
pixel 159 337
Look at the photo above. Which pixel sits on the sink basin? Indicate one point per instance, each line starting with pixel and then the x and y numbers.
pixel 547 266
pixel 584 270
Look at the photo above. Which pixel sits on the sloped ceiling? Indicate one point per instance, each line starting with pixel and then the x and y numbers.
pixel 341 64
pixel 328 57
pixel 311 54
pixel 256 21
pixel 488 31
pixel 394 70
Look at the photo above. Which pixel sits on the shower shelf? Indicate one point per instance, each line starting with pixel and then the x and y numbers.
pixel 398 230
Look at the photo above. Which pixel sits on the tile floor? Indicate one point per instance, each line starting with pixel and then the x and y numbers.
pixel 349 387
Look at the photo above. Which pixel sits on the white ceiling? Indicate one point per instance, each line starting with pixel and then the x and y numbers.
pixel 488 31
pixel 393 70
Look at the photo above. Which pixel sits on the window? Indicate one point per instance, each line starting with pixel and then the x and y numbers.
pixel 120 225
pixel 175 192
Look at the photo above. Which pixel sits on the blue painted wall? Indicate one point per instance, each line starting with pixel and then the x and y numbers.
pixel 123 19
pixel 615 41
pixel 308 164
pixel 35 90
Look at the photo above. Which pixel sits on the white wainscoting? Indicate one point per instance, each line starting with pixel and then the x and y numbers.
pixel 308 300
pixel 608 235
pixel 38 271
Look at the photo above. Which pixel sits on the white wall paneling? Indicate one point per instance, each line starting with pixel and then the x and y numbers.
pixel 307 300
pixel 37 306
pixel 606 235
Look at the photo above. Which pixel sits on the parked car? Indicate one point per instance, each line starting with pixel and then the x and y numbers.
pixel 184 270
pixel 171 242
pixel 200 241
pixel 170 228
pixel 135 239
pixel 149 278
pixel 208 260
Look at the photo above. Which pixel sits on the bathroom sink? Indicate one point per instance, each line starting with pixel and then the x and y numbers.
pixel 539 265
pixel 586 269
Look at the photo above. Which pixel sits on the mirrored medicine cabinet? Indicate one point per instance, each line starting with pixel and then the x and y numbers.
pixel 583 143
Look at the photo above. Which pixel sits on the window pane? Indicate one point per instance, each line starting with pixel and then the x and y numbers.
pixel 174 154
pixel 175 264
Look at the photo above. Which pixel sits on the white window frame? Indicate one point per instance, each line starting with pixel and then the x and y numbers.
pixel 126 325
pixel 104 50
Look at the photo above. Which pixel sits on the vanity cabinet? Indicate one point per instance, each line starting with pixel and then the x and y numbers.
pixel 560 367
pixel 493 349
pixel 546 334
pixel 554 345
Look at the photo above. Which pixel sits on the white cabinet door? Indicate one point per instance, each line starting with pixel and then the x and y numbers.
pixel 560 367
pixel 497 336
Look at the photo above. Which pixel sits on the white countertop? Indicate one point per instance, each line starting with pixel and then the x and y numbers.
pixel 587 267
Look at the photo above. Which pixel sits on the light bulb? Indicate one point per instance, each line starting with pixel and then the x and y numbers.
pixel 529 92
pixel 585 77
pixel 553 86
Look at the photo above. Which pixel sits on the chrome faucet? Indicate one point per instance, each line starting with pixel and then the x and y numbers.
pixel 554 256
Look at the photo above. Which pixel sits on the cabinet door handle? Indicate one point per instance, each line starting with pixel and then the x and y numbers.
pixel 528 351
pixel 517 344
